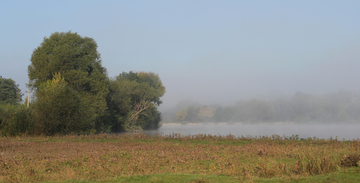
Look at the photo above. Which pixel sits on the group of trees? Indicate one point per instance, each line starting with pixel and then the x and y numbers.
pixel 341 106
pixel 193 114
pixel 73 93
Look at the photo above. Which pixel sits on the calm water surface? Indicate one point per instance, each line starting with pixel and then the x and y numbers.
pixel 345 131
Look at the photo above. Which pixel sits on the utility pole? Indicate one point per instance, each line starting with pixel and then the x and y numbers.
pixel 28 99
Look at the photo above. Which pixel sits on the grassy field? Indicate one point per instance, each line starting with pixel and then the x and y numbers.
pixel 175 158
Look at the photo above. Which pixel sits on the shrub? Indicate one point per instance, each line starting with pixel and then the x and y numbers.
pixel 61 110
pixel 15 120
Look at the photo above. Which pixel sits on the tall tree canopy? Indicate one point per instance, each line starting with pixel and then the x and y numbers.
pixel 133 99
pixel 76 59
pixel 9 92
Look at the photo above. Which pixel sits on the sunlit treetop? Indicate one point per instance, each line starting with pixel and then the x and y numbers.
pixel 78 62
pixel 69 54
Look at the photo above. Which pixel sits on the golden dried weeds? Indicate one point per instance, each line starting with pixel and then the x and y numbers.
pixel 95 157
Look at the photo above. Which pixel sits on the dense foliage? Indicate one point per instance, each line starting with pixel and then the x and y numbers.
pixel 73 94
pixel 342 106
pixel 9 92
pixel 61 110
pixel 133 100
pixel 15 120
pixel 76 59
pixel 13 116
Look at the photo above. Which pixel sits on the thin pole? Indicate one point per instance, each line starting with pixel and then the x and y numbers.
pixel 28 101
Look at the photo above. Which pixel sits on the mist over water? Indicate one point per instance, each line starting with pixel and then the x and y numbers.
pixel 321 131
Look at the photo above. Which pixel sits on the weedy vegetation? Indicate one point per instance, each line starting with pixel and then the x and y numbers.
pixel 196 158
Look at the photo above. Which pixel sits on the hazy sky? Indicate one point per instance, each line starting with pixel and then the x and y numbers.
pixel 206 51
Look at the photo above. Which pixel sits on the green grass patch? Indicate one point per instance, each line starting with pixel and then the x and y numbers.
pixel 349 175
pixel 176 178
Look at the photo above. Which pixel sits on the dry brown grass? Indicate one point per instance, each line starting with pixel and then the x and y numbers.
pixel 99 157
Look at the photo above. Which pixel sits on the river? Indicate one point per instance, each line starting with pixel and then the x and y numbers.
pixel 323 131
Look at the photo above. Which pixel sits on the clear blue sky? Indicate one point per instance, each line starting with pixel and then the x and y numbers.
pixel 206 51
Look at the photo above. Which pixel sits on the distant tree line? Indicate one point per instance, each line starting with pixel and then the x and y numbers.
pixel 337 107
pixel 74 95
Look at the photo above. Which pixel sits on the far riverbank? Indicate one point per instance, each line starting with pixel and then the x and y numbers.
pixel 325 131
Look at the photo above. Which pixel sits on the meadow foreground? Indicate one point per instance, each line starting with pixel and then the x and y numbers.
pixel 161 158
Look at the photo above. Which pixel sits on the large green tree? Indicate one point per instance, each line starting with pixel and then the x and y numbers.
pixel 133 101
pixel 9 92
pixel 76 59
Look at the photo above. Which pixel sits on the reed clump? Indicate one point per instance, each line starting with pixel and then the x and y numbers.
pixel 351 160
pixel 103 156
